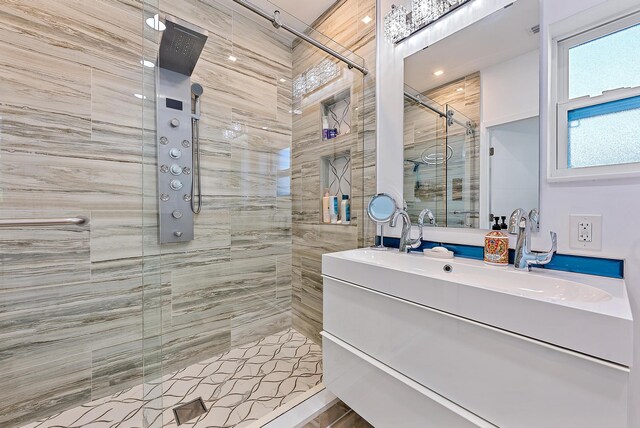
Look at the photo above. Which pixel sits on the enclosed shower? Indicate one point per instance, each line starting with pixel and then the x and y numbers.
pixel 163 167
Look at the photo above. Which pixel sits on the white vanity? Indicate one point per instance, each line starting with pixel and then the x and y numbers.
pixel 411 341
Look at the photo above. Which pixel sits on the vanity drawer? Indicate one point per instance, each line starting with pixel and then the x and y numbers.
pixel 385 397
pixel 507 379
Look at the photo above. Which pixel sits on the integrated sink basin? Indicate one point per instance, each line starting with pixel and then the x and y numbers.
pixel 585 313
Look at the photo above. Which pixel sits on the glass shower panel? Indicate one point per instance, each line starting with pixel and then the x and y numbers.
pixel 71 293
pixel 462 171
pixel 224 302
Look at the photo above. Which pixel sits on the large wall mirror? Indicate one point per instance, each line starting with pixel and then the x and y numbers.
pixel 471 130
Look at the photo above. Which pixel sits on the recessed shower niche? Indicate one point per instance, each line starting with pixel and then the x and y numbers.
pixel 336 115
pixel 335 175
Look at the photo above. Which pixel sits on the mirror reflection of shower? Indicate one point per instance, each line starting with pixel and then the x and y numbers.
pixel 196 189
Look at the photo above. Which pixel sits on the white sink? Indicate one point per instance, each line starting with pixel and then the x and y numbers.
pixel 585 313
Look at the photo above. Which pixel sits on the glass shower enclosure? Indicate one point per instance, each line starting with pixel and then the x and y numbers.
pixel 100 322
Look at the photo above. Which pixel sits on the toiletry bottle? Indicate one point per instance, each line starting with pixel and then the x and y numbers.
pixel 345 210
pixel 325 128
pixel 497 225
pixel 333 209
pixel 503 225
pixel 326 212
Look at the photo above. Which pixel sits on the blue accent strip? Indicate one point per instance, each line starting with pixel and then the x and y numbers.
pixel 611 268
pixel 604 108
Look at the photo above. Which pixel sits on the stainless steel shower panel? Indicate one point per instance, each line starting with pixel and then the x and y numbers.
pixel 181 46
pixel 175 160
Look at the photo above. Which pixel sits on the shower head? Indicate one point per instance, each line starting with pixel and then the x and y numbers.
pixel 197 90
pixel 181 46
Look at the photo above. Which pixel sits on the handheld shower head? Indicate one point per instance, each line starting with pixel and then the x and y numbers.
pixel 196 91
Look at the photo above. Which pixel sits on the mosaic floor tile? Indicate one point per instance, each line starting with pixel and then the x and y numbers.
pixel 238 387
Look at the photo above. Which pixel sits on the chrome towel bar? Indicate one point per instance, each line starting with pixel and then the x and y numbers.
pixel 26 222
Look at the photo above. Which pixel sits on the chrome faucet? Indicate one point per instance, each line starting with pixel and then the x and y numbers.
pixel 406 243
pixel 521 224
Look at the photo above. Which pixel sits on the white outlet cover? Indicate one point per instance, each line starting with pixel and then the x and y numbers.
pixel 596 232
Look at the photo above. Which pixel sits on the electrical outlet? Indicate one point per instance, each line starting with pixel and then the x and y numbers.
pixel 585 232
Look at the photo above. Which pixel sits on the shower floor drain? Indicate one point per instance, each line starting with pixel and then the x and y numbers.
pixel 191 410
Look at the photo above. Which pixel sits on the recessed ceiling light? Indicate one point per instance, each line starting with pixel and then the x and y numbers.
pixel 367 19
pixel 155 23
pixel 438 73
pixel 283 80
pixel 147 63
pixel 460 89
pixel 232 58
pixel 140 96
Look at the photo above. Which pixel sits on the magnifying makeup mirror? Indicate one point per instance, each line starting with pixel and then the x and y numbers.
pixel 381 209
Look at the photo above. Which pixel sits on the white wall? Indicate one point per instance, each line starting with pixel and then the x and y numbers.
pixel 509 90
pixel 618 201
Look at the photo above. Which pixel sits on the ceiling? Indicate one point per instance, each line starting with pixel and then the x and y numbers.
pixel 304 11
pixel 503 35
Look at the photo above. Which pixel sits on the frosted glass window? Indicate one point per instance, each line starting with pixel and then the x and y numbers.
pixel 604 134
pixel 608 62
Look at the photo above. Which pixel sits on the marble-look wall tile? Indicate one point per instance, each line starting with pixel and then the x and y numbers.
pixel 342 23
pixel 82 309
pixel 38 391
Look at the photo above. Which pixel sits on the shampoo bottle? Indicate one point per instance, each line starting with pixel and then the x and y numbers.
pixel 333 209
pixel 345 210
pixel 325 128
pixel 326 214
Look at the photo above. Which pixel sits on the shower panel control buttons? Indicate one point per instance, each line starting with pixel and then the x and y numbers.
pixel 176 184
pixel 175 214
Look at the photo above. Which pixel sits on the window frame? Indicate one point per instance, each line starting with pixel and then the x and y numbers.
pixel 558 155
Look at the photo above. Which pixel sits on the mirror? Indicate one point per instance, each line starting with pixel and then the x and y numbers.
pixel 471 129
pixel 381 208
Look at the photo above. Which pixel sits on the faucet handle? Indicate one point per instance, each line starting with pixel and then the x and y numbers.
pixel 514 221
pixel 554 242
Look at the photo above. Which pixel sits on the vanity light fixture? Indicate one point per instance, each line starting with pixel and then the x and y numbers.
pixel 367 19
pixel 140 96
pixel 400 23
pixel 147 63
pixel 460 89
pixel 282 80
pixel 155 23
pixel 232 58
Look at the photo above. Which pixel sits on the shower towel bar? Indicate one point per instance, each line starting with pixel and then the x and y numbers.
pixel 25 222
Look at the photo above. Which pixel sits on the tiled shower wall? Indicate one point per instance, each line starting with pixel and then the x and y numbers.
pixel 343 24
pixel 71 298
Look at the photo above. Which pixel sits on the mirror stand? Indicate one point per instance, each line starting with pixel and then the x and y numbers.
pixel 380 246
